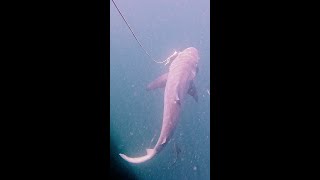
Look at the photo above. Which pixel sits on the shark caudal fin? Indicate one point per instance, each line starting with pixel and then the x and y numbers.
pixel 150 154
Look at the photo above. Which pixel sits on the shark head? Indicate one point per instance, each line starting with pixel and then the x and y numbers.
pixel 191 51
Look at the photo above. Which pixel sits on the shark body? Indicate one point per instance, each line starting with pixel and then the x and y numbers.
pixel 178 82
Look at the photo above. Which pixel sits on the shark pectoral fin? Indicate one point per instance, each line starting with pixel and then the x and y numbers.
pixel 193 91
pixel 158 83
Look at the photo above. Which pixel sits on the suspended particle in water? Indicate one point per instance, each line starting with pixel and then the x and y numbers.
pixel 194 168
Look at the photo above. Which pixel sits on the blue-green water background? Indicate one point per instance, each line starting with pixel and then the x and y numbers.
pixel 136 115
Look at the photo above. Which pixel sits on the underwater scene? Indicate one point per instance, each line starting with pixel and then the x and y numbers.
pixel 160 88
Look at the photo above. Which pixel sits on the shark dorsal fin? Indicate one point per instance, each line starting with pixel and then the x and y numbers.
pixel 164 141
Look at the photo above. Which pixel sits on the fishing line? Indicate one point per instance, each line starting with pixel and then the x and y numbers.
pixel 135 35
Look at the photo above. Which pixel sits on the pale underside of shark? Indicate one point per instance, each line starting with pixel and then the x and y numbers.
pixel 178 82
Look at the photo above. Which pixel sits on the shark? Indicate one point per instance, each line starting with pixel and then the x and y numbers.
pixel 177 83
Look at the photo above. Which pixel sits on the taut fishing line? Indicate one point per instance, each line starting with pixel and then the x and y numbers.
pixel 167 60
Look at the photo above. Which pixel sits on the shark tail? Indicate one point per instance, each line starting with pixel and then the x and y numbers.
pixel 150 154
